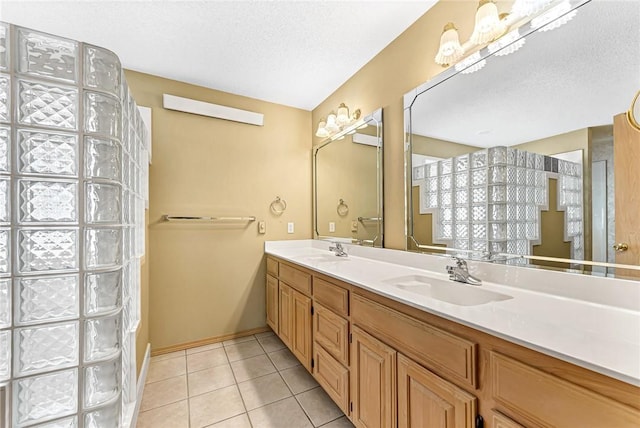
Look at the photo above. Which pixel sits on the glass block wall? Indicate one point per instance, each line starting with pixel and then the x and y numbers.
pixel 73 163
pixel 490 200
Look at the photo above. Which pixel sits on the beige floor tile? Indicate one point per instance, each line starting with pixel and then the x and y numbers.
pixel 174 415
pixel 206 359
pixel 284 413
pixel 215 406
pixel 208 347
pixel 252 368
pixel 164 392
pixel 210 379
pixel 298 379
pixel 240 421
pixel 263 390
pixel 265 334
pixel 283 359
pixel 271 343
pixel 318 406
pixel 343 422
pixel 241 351
pixel 167 356
pixel 165 369
pixel 238 340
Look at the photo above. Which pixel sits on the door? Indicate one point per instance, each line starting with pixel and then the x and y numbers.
pixel 427 400
pixel 301 345
pixel 373 382
pixel 626 158
pixel 272 303
pixel 285 321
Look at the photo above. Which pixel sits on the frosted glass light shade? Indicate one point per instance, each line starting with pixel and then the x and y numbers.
pixel 342 118
pixel 332 124
pixel 322 132
pixel 450 49
pixel 488 24
pixel 529 7
pixel 555 17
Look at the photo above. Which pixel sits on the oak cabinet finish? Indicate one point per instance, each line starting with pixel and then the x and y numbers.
pixel 333 377
pixel 388 364
pixel 272 303
pixel 427 400
pixel 373 382
pixel 272 267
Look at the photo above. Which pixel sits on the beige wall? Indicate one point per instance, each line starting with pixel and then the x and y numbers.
pixel 404 64
pixel 347 170
pixel 208 280
pixel 439 148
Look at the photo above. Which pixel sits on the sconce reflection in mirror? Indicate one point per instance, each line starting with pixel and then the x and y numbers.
pixel 343 209
pixel 278 206
pixel 633 114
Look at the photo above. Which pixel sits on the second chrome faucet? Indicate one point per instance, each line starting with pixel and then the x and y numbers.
pixel 338 249
pixel 460 273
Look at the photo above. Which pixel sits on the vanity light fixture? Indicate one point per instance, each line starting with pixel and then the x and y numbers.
pixel 336 123
pixel 507 44
pixel 555 17
pixel 524 8
pixel 488 26
pixel 471 64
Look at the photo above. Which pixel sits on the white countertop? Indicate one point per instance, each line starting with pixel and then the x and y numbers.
pixel 588 321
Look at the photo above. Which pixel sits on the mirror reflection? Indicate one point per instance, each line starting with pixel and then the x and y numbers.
pixel 517 157
pixel 348 184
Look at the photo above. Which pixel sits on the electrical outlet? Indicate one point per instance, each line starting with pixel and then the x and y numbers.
pixel 290 228
pixel 332 226
pixel 354 225
pixel 262 227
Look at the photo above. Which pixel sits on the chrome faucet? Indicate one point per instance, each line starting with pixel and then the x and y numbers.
pixel 460 273
pixel 338 249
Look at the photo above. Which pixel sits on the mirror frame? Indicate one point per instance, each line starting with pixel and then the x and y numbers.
pixel 410 97
pixel 374 118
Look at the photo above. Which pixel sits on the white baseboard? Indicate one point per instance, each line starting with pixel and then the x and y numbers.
pixel 141 381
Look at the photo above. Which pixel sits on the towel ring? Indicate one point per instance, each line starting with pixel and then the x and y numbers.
pixel 278 206
pixel 342 209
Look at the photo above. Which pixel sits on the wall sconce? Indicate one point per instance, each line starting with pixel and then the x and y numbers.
pixel 491 28
pixel 337 122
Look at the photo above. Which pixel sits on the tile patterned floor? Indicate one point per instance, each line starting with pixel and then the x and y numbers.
pixel 251 382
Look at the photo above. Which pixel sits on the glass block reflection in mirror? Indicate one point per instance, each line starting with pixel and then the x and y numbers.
pixel 505 189
pixel 59 310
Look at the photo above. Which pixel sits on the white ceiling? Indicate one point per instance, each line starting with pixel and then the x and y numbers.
pixel 576 76
pixel 289 52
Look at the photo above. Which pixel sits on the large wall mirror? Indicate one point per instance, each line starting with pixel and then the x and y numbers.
pixel 529 151
pixel 348 184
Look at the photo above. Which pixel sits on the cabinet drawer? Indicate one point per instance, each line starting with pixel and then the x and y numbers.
pixel 548 401
pixel 297 279
pixel 272 266
pixel 333 377
pixel 332 296
pixel 446 354
pixel 332 332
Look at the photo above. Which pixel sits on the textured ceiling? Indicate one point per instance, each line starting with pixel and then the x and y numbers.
pixel 576 76
pixel 290 52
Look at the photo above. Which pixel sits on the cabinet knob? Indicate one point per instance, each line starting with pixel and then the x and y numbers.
pixel 621 246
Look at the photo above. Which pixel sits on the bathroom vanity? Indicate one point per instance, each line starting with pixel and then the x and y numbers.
pixel 392 345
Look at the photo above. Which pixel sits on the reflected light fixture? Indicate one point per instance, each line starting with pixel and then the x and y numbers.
pixel 555 17
pixel 450 49
pixel 507 44
pixel 524 8
pixel 488 26
pixel 335 123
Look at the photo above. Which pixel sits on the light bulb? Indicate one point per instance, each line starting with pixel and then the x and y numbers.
pixel 450 49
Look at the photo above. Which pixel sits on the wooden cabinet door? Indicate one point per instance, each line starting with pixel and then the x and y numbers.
pixel 285 314
pixel 498 420
pixel 332 376
pixel 301 338
pixel 427 400
pixel 373 382
pixel 332 332
pixel 272 303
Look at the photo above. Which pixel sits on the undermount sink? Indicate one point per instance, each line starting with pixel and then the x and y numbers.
pixel 321 258
pixel 446 291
